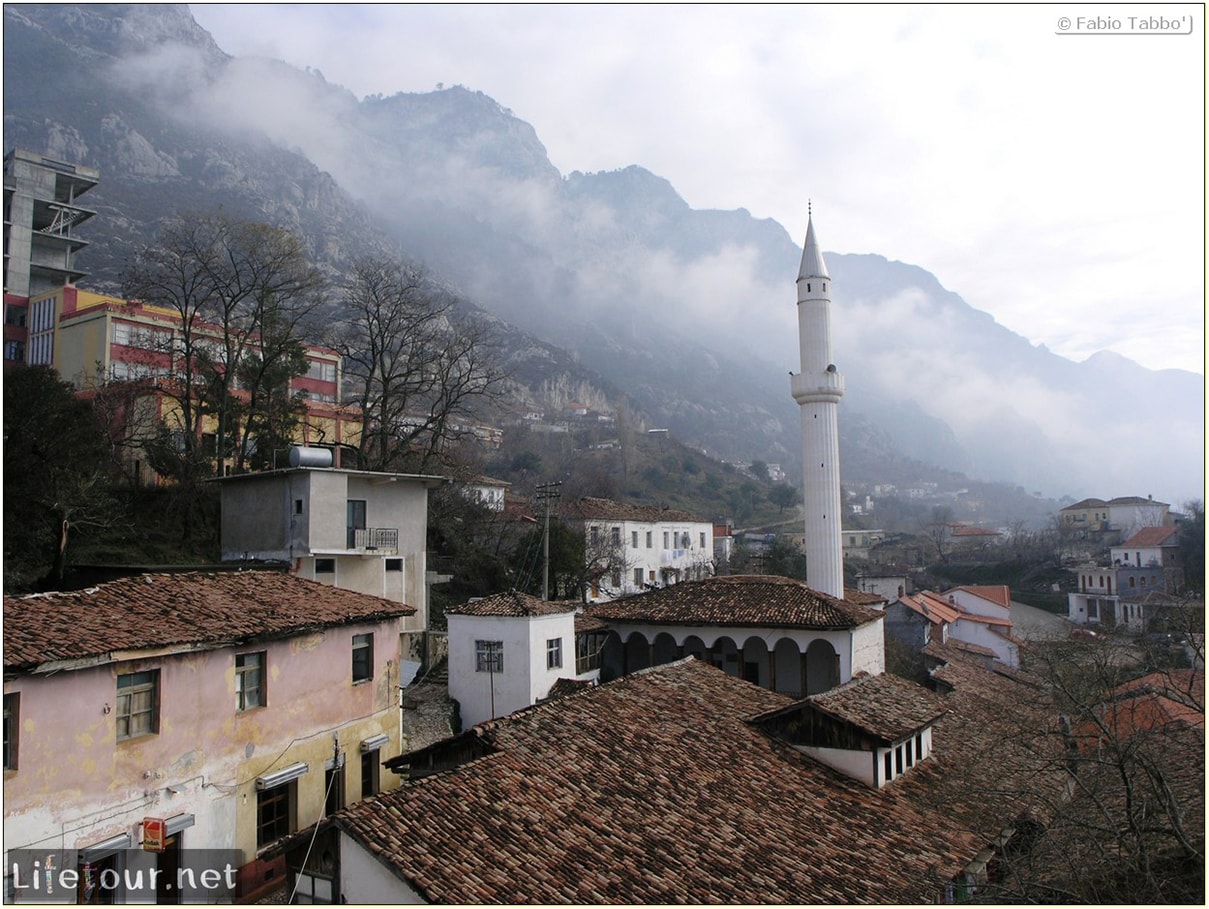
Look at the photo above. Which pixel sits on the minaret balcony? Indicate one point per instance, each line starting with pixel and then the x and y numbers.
pixel 826 386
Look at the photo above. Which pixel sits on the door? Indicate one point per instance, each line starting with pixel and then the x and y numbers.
pixel 356 520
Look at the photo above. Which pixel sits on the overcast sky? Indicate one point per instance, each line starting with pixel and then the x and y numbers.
pixel 1051 174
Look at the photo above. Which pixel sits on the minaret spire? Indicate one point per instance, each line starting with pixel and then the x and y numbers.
pixel 818 389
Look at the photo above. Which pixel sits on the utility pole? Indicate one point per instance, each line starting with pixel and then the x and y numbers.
pixel 547 492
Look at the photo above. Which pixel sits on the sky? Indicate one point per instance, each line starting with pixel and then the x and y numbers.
pixel 1045 162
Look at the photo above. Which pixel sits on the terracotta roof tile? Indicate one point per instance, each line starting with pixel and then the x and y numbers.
pixel 512 603
pixel 655 788
pixel 1153 536
pixel 885 705
pixel 596 509
pixel 999 594
pixel 932 607
pixel 192 608
pixel 760 600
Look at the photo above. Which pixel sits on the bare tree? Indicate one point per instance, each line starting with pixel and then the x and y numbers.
pixel 242 294
pixel 419 371
pixel 1129 827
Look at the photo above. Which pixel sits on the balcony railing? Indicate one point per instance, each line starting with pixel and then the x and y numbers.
pixel 374 539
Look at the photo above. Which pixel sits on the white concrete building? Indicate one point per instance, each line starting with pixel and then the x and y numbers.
pixel 818 389
pixel 641 547
pixel 775 632
pixel 507 651
pixel 353 529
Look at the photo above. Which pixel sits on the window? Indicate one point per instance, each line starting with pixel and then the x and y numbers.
pixel 665 546
pixel 138 704
pixel 333 781
pixel 14 315
pixel 363 657
pixel 369 774
pixel 14 350
pixel 594 534
pixel 703 539
pixel 275 813
pixel 249 680
pixel 638 577
pixel 12 728
pixel 325 566
pixel 616 536
pixel 615 579
pixel 554 653
pixel 394 565
pixel 649 535
pixel 889 769
pixel 633 539
pixel 298 506
pixel 488 656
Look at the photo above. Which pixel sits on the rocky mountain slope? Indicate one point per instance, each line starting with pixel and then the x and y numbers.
pixel 688 314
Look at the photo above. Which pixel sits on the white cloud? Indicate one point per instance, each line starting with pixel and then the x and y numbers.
pixel 1053 181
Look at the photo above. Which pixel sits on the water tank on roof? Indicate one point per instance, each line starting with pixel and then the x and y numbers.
pixel 310 457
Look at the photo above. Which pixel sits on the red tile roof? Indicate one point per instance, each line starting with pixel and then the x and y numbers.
pixel 886 706
pixel 512 603
pixel 655 788
pixel 760 600
pixel 863 598
pixel 999 594
pixel 193 608
pixel 932 607
pixel 1152 536
pixel 595 509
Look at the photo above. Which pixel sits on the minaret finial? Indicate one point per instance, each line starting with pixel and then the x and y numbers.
pixel 807 208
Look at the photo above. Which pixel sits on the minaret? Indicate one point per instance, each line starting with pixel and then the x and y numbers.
pixel 818 389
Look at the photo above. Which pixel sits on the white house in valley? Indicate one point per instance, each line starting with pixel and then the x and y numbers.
pixel 509 650
pixel 641 547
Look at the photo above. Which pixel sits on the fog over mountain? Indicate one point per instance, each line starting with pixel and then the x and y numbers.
pixel 689 314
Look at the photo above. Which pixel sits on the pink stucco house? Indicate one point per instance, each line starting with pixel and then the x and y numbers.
pixel 235 707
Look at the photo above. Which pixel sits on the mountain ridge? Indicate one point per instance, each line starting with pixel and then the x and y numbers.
pixel 691 311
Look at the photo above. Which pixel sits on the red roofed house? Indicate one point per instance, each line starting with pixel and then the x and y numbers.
pixel 640 547
pixel 775 632
pixel 236 707
pixel 977 616
pixel 681 784
pixel 1122 592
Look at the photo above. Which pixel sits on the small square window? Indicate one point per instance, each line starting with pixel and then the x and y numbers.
pixel 363 657
pixel 554 653
pixel 138 704
pixel 325 566
pixel 249 680
pixel 394 564
pixel 488 656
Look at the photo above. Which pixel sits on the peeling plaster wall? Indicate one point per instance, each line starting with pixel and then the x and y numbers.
pixel 76 785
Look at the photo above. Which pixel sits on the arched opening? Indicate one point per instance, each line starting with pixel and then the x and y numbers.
pixel 664 649
pixel 725 656
pixel 754 667
pixel 788 660
pixel 612 658
pixel 822 667
pixel 637 652
pixel 694 646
